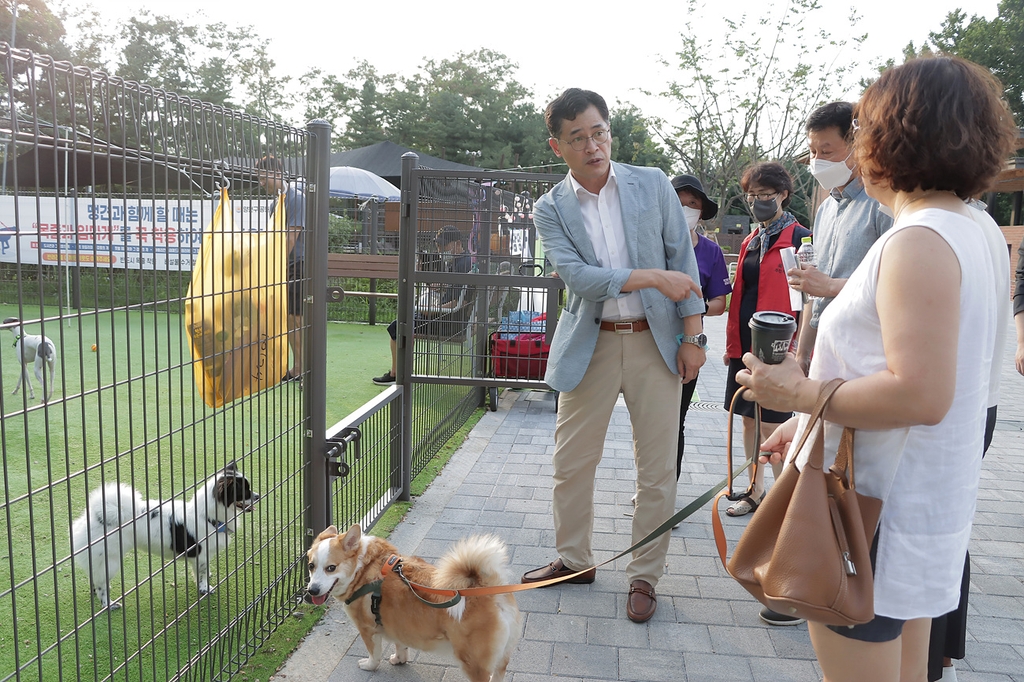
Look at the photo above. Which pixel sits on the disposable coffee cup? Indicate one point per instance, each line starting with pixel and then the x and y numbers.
pixel 770 335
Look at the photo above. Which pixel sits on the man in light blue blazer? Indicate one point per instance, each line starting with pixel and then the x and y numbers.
pixel 617 237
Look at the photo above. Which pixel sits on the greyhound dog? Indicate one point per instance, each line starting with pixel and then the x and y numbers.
pixel 33 349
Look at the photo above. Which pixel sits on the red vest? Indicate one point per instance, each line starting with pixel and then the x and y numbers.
pixel 772 288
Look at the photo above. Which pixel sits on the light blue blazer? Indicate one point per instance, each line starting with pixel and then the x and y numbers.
pixel 656 238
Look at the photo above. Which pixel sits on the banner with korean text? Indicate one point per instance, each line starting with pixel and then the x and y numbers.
pixel 148 234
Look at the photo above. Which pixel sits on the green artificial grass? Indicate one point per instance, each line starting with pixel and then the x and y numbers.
pixel 130 410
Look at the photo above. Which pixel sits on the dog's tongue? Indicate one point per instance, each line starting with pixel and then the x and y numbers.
pixel 318 600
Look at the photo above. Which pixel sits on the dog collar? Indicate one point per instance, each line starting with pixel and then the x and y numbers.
pixel 220 526
pixel 16 339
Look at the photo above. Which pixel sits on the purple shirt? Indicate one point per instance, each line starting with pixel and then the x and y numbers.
pixel 714 275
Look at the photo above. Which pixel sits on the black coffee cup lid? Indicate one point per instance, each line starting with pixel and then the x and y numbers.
pixel 771 318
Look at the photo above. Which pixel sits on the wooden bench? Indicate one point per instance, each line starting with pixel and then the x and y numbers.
pixel 363 266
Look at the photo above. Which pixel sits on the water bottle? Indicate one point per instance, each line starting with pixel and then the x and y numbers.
pixel 805 255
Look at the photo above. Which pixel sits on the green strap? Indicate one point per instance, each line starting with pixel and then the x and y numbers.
pixel 434 605
pixel 680 515
pixel 372 589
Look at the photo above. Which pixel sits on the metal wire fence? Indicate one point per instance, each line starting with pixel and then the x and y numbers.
pixel 107 189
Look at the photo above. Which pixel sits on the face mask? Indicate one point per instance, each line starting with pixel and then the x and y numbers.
pixel 830 174
pixel 692 216
pixel 763 211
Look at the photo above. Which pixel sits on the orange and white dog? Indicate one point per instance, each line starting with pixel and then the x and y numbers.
pixel 480 631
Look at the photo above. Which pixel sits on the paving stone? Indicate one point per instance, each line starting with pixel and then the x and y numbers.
pixel 779 670
pixel 639 665
pixel 616 632
pixel 531 657
pixel 752 641
pixel 716 667
pixel 686 637
pixel 600 662
pixel 556 628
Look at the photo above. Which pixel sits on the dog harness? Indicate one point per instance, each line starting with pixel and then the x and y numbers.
pixel 372 589
pixel 393 564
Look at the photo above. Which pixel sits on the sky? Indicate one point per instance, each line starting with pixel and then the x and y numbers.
pixel 612 48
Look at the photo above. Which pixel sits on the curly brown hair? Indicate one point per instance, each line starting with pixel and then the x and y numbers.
pixel 769 174
pixel 935 122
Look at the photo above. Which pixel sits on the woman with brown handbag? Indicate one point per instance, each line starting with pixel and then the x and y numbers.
pixel 913 334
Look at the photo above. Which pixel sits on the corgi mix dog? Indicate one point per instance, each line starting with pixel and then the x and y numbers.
pixel 117 520
pixel 480 631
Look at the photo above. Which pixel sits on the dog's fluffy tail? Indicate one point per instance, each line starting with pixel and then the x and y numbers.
pixel 114 505
pixel 476 561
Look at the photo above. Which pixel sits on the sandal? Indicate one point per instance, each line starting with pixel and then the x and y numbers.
pixel 745 505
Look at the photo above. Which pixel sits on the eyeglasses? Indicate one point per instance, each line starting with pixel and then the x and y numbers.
pixel 579 143
pixel 764 196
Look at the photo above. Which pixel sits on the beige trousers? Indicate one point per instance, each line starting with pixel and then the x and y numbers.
pixel 632 364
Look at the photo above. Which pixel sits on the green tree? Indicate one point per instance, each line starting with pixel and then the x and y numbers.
pixel 37 28
pixel 468 109
pixel 632 141
pixel 997 44
pixel 744 96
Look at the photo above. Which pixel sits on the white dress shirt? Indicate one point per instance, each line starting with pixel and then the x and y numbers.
pixel 602 218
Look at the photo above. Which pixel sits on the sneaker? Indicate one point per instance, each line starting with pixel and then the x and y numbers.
pixel 776 618
pixel 386 380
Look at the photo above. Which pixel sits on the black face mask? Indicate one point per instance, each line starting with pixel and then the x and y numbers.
pixel 763 211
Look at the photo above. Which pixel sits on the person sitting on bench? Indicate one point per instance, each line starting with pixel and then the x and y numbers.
pixel 435 299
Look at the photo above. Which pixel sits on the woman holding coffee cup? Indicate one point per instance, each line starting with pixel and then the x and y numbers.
pixel 913 334
pixel 760 285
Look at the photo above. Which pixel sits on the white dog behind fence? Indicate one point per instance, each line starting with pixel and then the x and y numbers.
pixel 37 350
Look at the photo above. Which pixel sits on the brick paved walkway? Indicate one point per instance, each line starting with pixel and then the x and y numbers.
pixel 706 626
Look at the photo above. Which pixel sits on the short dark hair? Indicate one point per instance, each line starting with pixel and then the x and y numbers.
pixel 935 122
pixel 569 105
pixel 769 174
pixel 270 163
pixel 831 115
pixel 446 235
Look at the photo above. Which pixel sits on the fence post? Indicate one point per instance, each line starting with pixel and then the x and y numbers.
pixel 318 178
pixel 404 335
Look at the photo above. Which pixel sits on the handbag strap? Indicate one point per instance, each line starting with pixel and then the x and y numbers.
pixel 818 414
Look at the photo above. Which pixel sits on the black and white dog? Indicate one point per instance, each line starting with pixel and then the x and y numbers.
pixel 33 349
pixel 117 520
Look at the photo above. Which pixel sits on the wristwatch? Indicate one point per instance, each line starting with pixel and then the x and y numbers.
pixel 700 340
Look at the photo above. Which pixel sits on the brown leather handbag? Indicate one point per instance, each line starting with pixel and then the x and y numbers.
pixel 805 552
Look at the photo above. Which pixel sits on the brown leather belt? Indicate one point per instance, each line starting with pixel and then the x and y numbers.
pixel 625 327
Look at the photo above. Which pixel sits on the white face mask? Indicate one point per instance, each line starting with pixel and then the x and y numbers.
pixel 692 216
pixel 830 174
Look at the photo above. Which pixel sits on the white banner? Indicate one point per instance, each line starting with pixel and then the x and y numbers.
pixel 133 234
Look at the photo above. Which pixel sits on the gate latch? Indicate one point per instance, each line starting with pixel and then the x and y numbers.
pixel 337 448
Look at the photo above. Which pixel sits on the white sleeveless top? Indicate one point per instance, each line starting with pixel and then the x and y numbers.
pixel 931 471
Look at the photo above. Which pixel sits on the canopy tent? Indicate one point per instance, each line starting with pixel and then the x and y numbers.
pixel 348 182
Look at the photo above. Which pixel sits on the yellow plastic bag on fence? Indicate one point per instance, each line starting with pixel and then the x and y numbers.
pixel 236 308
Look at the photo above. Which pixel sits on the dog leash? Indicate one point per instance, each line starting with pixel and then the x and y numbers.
pixel 394 563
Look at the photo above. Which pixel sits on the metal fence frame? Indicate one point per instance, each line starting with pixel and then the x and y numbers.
pixel 127 412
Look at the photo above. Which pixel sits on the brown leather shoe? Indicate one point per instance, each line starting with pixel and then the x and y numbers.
pixel 556 569
pixel 641 602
